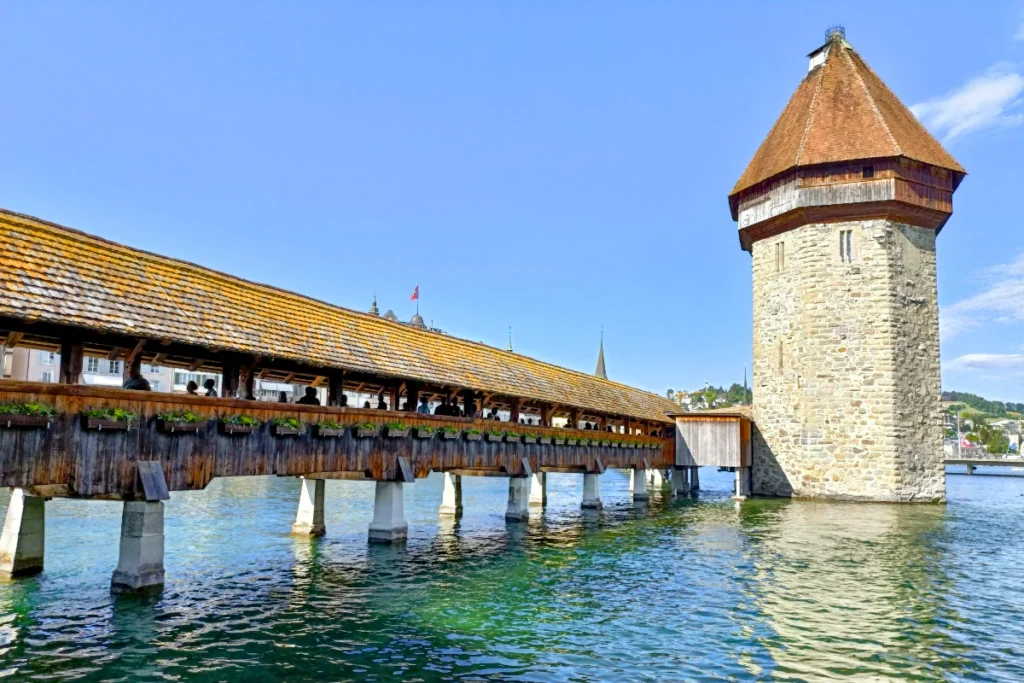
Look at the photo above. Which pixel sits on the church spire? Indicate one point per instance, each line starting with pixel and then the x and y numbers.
pixel 373 307
pixel 600 372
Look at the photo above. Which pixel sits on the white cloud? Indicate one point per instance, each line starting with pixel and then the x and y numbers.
pixel 988 361
pixel 990 100
pixel 1001 302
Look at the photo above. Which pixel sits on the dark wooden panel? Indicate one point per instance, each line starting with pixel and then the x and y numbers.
pixel 71 460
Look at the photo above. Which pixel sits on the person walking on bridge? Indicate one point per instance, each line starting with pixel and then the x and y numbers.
pixel 211 388
pixel 310 398
pixel 136 381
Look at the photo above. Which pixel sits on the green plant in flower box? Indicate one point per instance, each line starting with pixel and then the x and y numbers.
pixel 182 417
pixel 241 420
pixel 30 408
pixel 111 414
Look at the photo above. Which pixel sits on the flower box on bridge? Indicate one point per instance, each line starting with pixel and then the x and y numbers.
pixel 327 432
pixel 396 432
pixel 99 424
pixel 423 433
pixel 449 434
pixel 544 440
pixel 493 436
pixel 529 438
pixel 472 435
pixel 11 421
pixel 365 431
pixel 285 430
pixel 175 427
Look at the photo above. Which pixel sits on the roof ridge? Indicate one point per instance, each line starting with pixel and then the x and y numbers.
pixel 871 99
pixel 213 273
pixel 811 110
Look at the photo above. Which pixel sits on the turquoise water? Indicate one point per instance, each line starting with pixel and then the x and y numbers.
pixel 673 590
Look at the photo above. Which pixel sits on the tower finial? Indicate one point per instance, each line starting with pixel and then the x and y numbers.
pixel 509 337
pixel 373 307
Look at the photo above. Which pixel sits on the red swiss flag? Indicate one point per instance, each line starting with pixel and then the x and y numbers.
pixel 415 294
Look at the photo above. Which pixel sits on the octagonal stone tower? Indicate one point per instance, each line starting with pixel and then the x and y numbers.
pixel 840 208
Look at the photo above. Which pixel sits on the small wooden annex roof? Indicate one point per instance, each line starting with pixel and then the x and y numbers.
pixel 58 275
pixel 842 111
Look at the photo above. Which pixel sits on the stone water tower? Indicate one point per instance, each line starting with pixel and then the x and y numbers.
pixel 840 208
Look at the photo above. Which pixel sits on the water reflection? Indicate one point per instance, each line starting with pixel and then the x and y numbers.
pixel 853 589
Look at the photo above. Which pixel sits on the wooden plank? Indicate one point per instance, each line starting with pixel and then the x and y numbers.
pixel 151 478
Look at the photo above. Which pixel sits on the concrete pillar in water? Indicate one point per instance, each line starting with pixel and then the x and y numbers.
pixel 640 484
pixel 518 504
pixel 970 469
pixel 591 491
pixel 451 495
pixel 388 525
pixel 630 475
pixel 24 536
pixel 657 479
pixel 309 520
pixel 742 490
pixel 680 481
pixel 539 489
pixel 140 564
pixel 695 479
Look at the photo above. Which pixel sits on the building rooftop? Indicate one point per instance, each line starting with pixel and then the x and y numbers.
pixel 842 111
pixel 49 273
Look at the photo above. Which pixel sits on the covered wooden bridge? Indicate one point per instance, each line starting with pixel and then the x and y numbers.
pixel 78 295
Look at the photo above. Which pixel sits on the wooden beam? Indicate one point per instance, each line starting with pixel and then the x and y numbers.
pixel 159 358
pixel 194 365
pixel 13 338
pixel 288 378
pixel 134 353
pixel 335 387
pixel 229 380
pixel 514 412
pixel 114 353
pixel 72 353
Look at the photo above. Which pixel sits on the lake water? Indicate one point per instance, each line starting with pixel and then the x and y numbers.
pixel 672 590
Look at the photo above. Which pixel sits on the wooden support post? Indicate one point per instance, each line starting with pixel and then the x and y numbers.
pixel 250 386
pixel 334 387
pixel 514 411
pixel 133 361
pixel 546 414
pixel 72 354
pixel 469 402
pixel 229 380
pixel 412 396
pixel 393 397
pixel 602 423
pixel 574 418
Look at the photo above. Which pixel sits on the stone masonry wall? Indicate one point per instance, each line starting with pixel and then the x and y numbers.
pixel 846 364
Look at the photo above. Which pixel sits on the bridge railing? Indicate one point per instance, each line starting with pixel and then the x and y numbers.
pixel 76 456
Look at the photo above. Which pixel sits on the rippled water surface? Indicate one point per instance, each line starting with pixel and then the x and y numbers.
pixel 673 590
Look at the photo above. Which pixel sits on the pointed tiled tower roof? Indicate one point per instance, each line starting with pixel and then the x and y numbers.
pixel 841 111
pixel 599 372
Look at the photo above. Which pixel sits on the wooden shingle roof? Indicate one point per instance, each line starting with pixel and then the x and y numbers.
pixel 842 111
pixel 54 274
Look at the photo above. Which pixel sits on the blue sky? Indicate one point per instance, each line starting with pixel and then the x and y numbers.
pixel 555 167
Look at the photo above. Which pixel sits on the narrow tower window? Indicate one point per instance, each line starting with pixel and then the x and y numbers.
pixel 846 246
pixel 780 256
